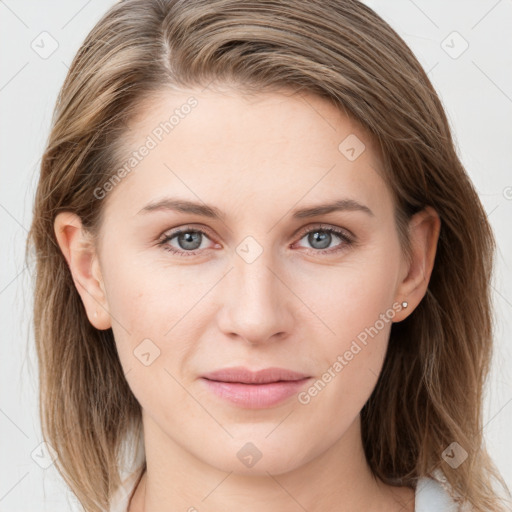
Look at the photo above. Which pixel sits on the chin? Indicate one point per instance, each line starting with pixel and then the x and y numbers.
pixel 258 457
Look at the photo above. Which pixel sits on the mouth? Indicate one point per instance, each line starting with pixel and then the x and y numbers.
pixel 255 390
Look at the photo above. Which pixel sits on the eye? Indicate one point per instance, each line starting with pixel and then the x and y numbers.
pixel 187 241
pixel 320 239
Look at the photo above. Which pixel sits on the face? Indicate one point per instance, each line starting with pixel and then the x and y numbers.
pixel 258 274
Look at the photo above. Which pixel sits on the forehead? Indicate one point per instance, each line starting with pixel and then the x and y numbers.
pixel 227 146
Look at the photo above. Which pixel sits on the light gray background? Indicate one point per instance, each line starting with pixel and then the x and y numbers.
pixel 475 88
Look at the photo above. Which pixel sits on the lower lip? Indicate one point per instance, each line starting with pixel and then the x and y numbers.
pixel 255 396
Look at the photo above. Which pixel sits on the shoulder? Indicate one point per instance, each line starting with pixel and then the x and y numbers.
pixel 434 495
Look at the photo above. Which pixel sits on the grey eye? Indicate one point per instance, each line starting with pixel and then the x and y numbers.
pixel 189 240
pixel 319 239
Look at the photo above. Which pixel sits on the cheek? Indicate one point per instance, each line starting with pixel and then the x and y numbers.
pixel 149 297
pixel 349 360
pixel 157 316
pixel 350 298
pixel 146 309
pixel 354 304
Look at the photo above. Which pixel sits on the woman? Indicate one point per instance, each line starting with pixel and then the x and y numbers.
pixel 262 270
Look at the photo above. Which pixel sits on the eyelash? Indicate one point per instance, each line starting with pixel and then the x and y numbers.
pixel 347 240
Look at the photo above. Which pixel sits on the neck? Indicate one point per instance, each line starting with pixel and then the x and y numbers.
pixel 339 479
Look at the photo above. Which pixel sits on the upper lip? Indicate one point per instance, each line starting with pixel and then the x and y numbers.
pixel 246 376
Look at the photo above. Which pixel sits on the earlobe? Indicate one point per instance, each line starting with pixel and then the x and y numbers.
pixel 424 229
pixel 79 251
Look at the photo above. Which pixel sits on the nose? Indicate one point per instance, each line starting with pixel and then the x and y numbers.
pixel 257 305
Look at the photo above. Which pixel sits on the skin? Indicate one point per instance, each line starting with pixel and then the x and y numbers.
pixel 257 159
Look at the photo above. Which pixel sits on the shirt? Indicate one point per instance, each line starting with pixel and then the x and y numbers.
pixel 430 495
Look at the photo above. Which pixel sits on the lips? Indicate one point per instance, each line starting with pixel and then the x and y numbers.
pixel 254 390
pixel 246 376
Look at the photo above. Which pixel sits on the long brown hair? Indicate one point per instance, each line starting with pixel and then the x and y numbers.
pixel 430 391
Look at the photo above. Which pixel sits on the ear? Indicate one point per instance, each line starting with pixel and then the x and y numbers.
pixel 79 251
pixel 424 228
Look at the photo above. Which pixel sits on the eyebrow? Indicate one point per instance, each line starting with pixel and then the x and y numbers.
pixel 339 205
pixel 186 206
